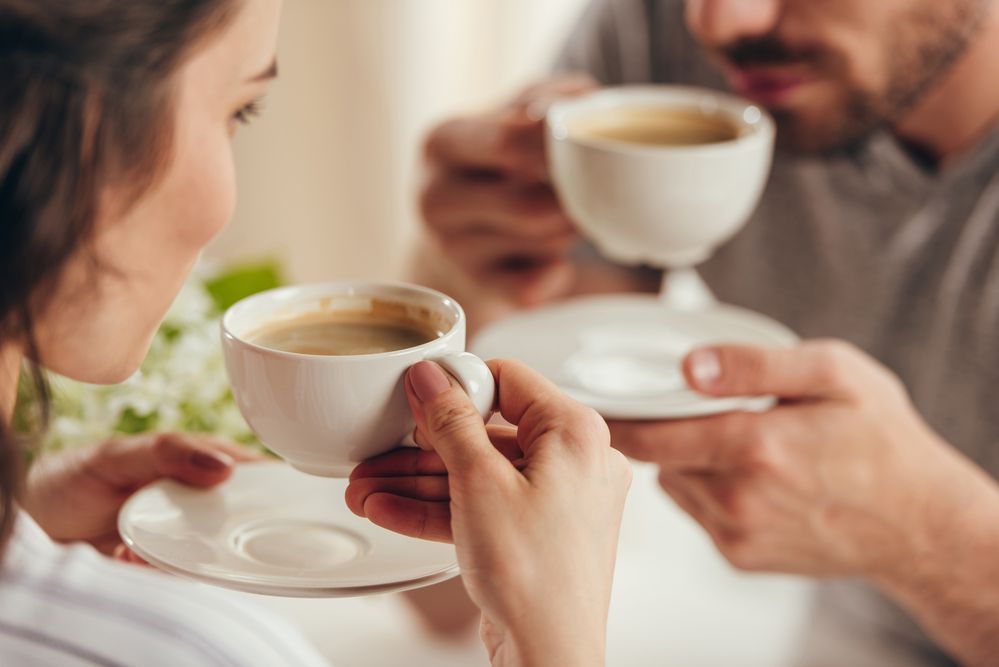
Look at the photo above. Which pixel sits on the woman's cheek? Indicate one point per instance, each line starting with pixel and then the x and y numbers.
pixel 215 203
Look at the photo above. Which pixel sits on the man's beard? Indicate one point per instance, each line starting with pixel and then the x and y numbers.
pixel 928 40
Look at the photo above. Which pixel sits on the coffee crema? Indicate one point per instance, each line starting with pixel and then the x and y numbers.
pixel 655 126
pixel 346 332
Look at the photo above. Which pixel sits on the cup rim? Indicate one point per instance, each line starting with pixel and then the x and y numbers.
pixel 762 129
pixel 339 287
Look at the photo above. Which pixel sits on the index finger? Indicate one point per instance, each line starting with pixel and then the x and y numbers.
pixel 536 406
pixel 708 443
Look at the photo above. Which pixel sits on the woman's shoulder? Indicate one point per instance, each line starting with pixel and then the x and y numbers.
pixel 66 604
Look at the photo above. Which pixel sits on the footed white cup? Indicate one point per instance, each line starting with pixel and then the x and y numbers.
pixel 662 205
pixel 325 414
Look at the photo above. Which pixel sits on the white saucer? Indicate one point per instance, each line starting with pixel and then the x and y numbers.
pixel 621 354
pixel 276 531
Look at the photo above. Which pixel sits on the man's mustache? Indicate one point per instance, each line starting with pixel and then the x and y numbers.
pixel 769 51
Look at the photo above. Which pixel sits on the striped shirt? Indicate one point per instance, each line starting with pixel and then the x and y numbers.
pixel 71 606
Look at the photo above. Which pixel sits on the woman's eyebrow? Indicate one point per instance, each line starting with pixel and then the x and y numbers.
pixel 270 73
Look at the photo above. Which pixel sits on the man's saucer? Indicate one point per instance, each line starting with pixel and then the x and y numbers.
pixel 273 530
pixel 621 354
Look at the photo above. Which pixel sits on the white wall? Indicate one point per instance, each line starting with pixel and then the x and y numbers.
pixel 328 175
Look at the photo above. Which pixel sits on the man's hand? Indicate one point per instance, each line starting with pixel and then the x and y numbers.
pixel 488 202
pixel 843 478
pixel 75 495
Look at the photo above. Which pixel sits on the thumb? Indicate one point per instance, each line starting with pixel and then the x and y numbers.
pixel 449 421
pixel 820 369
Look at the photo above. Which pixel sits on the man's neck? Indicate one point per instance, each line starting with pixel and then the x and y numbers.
pixel 10 369
pixel 960 109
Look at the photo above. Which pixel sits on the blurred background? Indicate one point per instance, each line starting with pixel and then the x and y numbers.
pixel 328 175
pixel 328 180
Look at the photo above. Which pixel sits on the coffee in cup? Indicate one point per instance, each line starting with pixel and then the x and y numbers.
pixel 383 327
pixel 655 126
pixel 659 175
pixel 317 370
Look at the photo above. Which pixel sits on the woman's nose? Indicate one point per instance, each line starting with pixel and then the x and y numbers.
pixel 719 23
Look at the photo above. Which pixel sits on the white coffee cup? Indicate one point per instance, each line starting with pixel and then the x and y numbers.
pixel 325 414
pixel 668 206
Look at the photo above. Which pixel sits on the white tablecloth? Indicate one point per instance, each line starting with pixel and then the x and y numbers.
pixel 676 602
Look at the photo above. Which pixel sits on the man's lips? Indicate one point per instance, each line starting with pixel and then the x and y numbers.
pixel 768 86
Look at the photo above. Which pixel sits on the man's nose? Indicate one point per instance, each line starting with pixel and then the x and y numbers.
pixel 722 22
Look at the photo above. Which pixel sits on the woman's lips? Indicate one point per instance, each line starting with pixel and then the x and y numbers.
pixel 769 86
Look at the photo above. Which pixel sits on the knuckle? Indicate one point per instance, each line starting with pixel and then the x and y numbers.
pixel 592 423
pixel 439 136
pixel 108 450
pixel 512 138
pixel 620 468
pixel 765 458
pixel 450 417
pixel 844 352
pixel 737 504
pixel 740 549
pixel 894 384
pixel 835 362
pixel 165 444
pixel 421 523
pixel 576 423
pixel 844 362
pixel 763 453
pixel 432 202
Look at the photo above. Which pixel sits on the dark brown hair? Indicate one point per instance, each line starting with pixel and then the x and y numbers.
pixel 86 92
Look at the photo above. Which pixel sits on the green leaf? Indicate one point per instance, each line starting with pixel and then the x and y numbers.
pixel 242 281
pixel 132 423
pixel 27 411
pixel 169 333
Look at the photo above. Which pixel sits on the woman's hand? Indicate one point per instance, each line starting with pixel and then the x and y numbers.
pixel 75 495
pixel 533 509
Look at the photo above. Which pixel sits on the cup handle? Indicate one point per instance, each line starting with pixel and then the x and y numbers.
pixel 474 377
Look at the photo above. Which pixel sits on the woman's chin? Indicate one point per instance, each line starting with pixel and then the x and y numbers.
pixel 97 368
pixel 113 374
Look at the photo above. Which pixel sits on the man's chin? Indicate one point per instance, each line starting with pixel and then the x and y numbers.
pixel 817 134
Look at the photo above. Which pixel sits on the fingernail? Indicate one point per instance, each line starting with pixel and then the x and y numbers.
pixel 212 461
pixel 428 381
pixel 705 367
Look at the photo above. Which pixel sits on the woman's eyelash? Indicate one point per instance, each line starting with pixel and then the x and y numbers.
pixel 249 112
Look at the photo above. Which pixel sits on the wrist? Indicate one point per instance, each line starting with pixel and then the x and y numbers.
pixel 568 644
pixel 951 533
pixel 951 589
pixel 540 636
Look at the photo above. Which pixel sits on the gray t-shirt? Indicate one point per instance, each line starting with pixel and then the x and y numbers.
pixel 864 245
